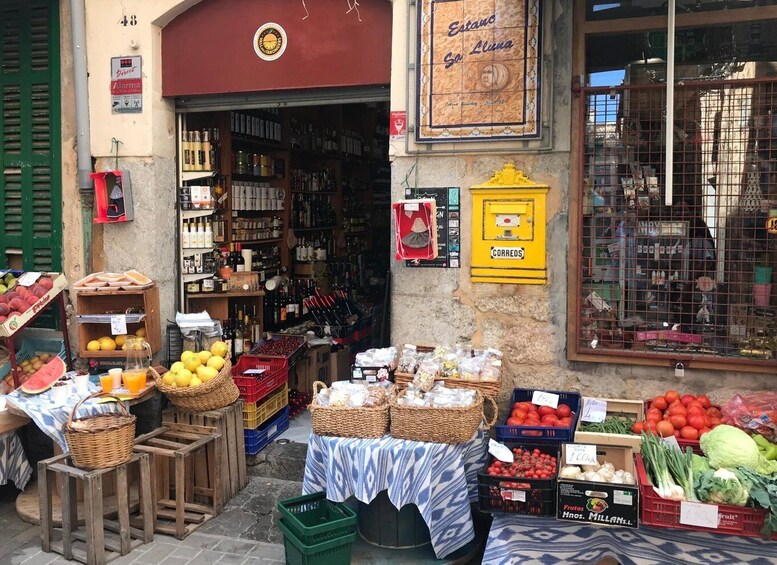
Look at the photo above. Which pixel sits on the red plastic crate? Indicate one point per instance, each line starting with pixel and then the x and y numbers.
pixel 663 513
pixel 253 389
pixel 247 362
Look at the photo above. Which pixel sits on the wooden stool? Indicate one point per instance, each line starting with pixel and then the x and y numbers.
pixel 228 422
pixel 98 533
pixel 188 447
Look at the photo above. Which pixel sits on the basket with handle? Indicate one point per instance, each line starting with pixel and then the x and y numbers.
pixel 217 393
pixel 343 421
pixel 440 425
pixel 100 441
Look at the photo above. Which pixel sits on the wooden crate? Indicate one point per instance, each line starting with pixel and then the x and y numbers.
pixel 229 423
pixel 631 408
pixel 117 301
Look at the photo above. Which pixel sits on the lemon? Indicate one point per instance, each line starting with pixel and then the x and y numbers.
pixel 141 332
pixel 219 348
pixel 206 373
pixel 192 362
pixel 168 378
pixel 124 347
pixel 120 339
pixel 176 367
pixel 185 355
pixel 183 379
pixel 204 356
pixel 107 344
pixel 216 362
pixel 93 345
pixel 195 382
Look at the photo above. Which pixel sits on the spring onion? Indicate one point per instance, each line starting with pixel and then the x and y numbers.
pixel 654 454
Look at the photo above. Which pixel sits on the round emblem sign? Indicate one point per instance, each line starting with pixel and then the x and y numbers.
pixel 270 41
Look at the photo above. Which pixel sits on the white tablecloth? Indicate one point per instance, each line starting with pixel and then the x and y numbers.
pixel 440 479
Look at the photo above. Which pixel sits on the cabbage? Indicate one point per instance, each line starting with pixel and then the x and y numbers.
pixel 728 447
pixel 721 487
pixel 700 464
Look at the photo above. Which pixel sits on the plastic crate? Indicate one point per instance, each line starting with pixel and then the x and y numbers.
pixel 254 388
pixel 504 494
pixel 314 519
pixel 30 346
pixel 540 434
pixel 258 354
pixel 664 513
pixel 255 414
pixel 257 440
pixel 336 551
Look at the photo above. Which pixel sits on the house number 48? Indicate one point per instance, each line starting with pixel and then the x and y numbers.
pixel 128 21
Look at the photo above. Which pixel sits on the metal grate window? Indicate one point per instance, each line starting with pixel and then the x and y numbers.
pixel 693 280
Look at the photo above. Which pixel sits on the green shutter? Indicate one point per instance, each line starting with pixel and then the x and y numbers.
pixel 30 151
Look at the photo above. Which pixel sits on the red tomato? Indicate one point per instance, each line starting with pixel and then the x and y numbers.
pixel 665 429
pixel 517 406
pixel 704 431
pixel 677 434
pixel 678 409
pixel 687 399
pixel 525 406
pixel 713 412
pixel 567 422
pixel 653 418
pixel 671 396
pixel 651 426
pixel 550 419
pixel 715 422
pixel 520 414
pixel 638 427
pixel 696 421
pixel 545 410
pixel 695 409
pixel 695 404
pixel 678 421
pixel 560 424
pixel 531 406
pixel 654 412
pixel 689 432
pixel 563 411
pixel 660 403
pixel 514 421
pixel 705 400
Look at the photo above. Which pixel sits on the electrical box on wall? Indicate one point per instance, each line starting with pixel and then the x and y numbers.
pixel 508 225
pixel 113 197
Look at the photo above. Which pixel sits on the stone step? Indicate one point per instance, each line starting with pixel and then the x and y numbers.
pixel 279 460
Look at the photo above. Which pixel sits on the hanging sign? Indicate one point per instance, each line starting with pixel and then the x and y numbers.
pixel 397 125
pixel 270 41
pixel 448 216
pixel 127 85
pixel 478 70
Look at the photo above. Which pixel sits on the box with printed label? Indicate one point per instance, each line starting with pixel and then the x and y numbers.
pixel 628 410
pixel 602 503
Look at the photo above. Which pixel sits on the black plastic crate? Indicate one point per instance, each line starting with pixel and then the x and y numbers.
pixel 540 434
pixel 518 495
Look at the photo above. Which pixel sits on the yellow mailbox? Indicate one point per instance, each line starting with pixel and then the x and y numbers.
pixel 508 225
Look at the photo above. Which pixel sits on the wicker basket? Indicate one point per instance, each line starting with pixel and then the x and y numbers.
pixel 218 392
pixel 342 421
pixel 439 425
pixel 101 441
pixel 486 388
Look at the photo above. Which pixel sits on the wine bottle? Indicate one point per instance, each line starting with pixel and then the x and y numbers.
pixel 240 262
pixel 226 336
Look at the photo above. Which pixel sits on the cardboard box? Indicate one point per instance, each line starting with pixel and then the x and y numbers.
pixel 632 408
pixel 311 368
pixel 600 503
pixel 340 365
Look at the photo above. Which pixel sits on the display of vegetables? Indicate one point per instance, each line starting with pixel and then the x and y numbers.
pixel 670 470
pixel 527 464
pixel 721 487
pixel 767 448
pixel 528 414
pixel 687 416
pixel 604 473
pixel 728 447
pixel 613 424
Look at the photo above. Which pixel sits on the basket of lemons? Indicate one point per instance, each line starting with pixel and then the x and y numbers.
pixel 201 380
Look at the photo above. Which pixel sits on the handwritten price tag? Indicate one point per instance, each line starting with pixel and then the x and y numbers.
pixel 542 398
pixel 671 442
pixel 501 452
pixel 119 324
pixel 698 514
pixel 28 278
pixel 581 454
pixel 594 410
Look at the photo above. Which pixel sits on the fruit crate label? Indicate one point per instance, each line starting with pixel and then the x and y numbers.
pixel 594 410
pixel 28 279
pixel 622 497
pixel 581 454
pixel 119 324
pixel 698 514
pixel 542 398
pixel 512 494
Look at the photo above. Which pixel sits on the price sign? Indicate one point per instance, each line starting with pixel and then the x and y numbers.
pixel 254 372
pixel 594 410
pixel 581 454
pixel 671 442
pixel 512 494
pixel 28 278
pixel 542 398
pixel 501 452
pixel 698 514
pixel 119 324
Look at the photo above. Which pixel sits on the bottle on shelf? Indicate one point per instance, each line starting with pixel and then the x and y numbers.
pixel 237 336
pixel 240 262
pixel 206 152
pixel 186 157
pixel 196 151
pixel 226 336
pixel 185 235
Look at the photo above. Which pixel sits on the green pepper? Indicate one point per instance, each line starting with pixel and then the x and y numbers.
pixel 766 447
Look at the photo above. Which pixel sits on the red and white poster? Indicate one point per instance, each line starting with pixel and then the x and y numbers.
pixel 127 85
pixel 398 124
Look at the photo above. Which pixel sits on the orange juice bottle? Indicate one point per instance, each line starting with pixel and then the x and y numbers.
pixel 106 382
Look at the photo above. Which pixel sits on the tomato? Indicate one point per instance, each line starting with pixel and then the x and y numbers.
pixel 678 421
pixel 545 410
pixel 566 421
pixel 705 400
pixel 514 421
pixel 660 403
pixel 687 399
pixel 517 406
pixel 525 406
pixel 560 424
pixel 653 418
pixel 637 427
pixel 695 404
pixel 651 426
pixel 520 414
pixel 550 420
pixel 696 421
pixel 704 431
pixel 678 409
pixel 689 432
pixel 671 396
pixel 665 429
pixel 715 422
pixel 654 412
pixel 697 409
pixel 713 412
pixel 677 434
pixel 563 411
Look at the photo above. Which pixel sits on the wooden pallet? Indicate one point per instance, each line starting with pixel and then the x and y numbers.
pixel 189 448
pixel 228 422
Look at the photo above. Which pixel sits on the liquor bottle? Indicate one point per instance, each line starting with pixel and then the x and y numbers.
pixel 196 151
pixel 257 329
pixel 291 306
pixel 247 333
pixel 283 308
pixel 226 336
pixel 237 338
pixel 207 152
pixel 208 235
pixel 185 151
pixel 240 262
pixel 185 237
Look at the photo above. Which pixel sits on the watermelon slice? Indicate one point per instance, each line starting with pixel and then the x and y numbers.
pixel 45 377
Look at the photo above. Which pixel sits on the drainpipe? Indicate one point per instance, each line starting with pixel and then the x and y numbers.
pixel 669 140
pixel 83 144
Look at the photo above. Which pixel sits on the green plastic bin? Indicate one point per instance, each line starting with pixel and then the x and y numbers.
pixel 314 519
pixel 335 551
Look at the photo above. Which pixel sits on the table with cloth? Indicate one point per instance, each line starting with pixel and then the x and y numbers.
pixel 531 540
pixel 440 479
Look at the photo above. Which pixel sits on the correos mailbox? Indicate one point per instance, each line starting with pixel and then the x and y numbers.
pixel 508 225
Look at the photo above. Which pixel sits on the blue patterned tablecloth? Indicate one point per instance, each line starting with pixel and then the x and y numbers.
pixel 440 479
pixel 13 462
pixel 50 417
pixel 530 540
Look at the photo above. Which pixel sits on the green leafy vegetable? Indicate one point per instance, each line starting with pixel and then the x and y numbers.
pixel 654 454
pixel 700 464
pixel 767 448
pixel 728 447
pixel 611 425
pixel 721 487
pixel 763 491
